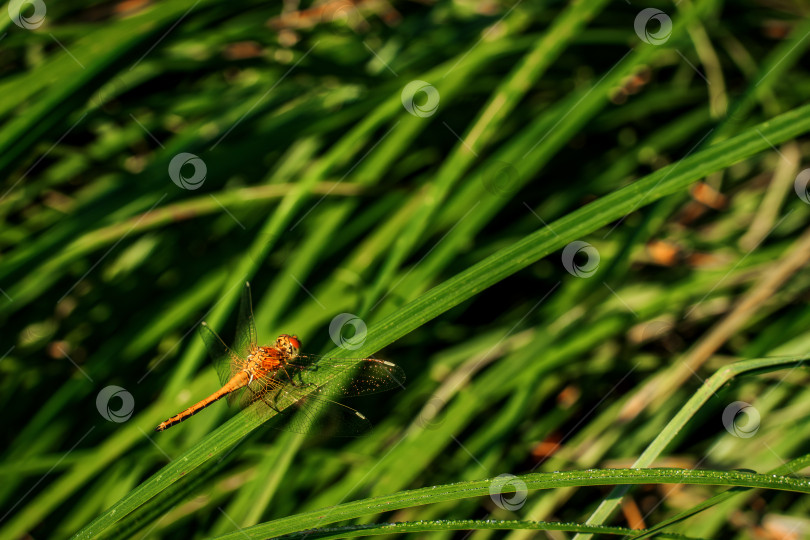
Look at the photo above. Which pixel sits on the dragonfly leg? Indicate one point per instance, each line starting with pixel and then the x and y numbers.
pixel 289 378
pixel 271 402
pixel 299 383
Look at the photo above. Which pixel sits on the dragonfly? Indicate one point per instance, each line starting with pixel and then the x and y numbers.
pixel 278 380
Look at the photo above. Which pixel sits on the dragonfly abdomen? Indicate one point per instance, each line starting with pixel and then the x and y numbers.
pixel 237 381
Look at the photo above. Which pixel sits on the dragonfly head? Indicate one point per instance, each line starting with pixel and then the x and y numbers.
pixel 288 344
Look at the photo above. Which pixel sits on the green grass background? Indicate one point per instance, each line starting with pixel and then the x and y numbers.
pixel 443 232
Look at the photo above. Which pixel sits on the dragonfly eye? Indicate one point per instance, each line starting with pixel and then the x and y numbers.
pixel 286 341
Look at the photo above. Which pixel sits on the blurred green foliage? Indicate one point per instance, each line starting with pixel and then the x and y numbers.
pixel 436 211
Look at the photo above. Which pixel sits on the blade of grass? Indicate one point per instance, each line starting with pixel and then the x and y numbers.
pixel 698 399
pixel 478 488
pixel 354 531
pixel 793 465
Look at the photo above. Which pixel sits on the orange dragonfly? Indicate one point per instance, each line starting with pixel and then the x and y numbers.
pixel 277 380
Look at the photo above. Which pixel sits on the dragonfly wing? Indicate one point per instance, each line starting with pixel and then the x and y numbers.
pixel 324 416
pixel 225 360
pixel 348 377
pixel 246 340
pixel 302 409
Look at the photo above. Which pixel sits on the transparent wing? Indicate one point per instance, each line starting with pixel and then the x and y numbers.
pixel 302 409
pixel 225 360
pixel 299 394
pixel 246 340
pixel 346 376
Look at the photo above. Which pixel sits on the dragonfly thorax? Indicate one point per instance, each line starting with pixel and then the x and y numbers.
pixel 264 359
